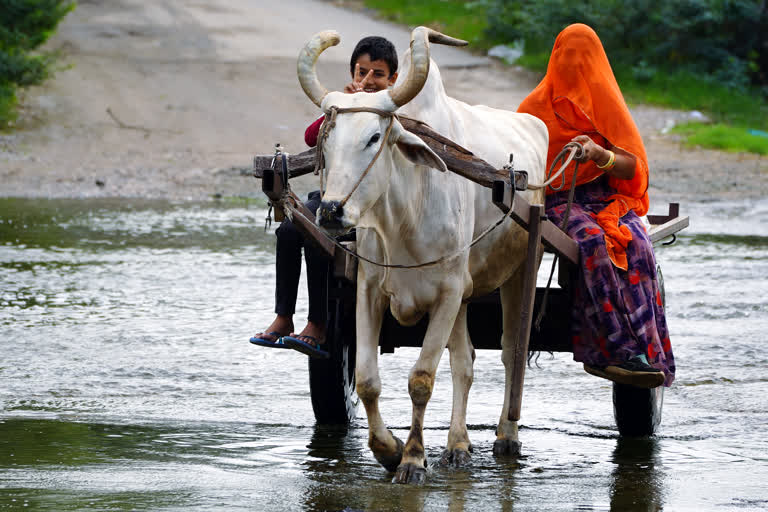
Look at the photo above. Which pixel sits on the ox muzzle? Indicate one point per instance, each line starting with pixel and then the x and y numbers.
pixel 329 216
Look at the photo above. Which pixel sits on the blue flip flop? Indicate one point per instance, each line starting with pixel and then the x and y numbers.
pixel 304 347
pixel 264 342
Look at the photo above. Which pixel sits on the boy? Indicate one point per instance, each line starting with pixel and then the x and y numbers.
pixel 373 66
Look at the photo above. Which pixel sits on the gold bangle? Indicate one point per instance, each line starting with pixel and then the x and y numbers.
pixel 610 163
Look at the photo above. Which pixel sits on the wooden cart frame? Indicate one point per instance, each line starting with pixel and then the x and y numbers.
pixel 332 383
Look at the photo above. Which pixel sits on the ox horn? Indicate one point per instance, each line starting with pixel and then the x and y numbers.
pixel 419 70
pixel 305 66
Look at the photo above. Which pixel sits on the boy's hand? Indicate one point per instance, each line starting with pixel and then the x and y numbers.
pixel 356 86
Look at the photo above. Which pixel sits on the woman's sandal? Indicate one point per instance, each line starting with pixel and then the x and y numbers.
pixel 311 349
pixel 633 373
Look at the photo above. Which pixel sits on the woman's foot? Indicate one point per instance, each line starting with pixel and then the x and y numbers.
pixel 635 372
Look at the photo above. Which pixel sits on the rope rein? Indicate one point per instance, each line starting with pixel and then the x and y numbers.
pixel 576 149
pixel 426 264
pixel 573 149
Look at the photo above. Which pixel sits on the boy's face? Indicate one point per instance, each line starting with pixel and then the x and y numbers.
pixel 379 79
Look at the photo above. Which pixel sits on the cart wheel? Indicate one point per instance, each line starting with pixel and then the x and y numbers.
pixel 638 410
pixel 332 380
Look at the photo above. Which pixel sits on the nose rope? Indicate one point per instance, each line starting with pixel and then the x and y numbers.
pixel 574 150
pixel 327 126
pixel 426 264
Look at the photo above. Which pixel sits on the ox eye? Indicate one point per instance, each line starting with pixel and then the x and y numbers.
pixel 374 140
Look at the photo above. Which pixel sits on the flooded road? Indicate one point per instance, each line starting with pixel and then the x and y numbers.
pixel 127 381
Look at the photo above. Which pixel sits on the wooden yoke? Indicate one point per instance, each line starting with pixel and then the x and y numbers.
pixel 458 159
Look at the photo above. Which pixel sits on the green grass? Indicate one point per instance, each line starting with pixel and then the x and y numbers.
pixel 733 113
pixel 457 18
pixel 724 137
pixel 685 91
pixel 7 106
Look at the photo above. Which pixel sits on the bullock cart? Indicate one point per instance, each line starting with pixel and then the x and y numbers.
pixel 637 411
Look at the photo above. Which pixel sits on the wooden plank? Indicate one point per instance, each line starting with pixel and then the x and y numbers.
pixel 552 236
pixel 669 228
pixel 305 223
pixel 535 215
pixel 673 212
pixel 458 159
pixel 345 264
pixel 485 324
pixel 298 165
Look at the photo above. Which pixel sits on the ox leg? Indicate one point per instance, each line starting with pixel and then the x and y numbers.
pixel 507 442
pixel 386 448
pixel 457 452
pixel 413 468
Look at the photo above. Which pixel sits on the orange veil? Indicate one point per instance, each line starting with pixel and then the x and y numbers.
pixel 579 95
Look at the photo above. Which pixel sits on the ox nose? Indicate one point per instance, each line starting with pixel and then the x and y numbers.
pixel 329 214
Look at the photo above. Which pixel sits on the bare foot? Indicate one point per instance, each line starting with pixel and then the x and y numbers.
pixel 281 325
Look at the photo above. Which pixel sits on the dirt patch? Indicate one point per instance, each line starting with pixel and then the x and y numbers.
pixel 161 100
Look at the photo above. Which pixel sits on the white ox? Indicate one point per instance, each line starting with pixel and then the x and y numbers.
pixel 408 212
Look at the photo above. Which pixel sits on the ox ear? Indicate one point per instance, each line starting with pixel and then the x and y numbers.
pixel 417 151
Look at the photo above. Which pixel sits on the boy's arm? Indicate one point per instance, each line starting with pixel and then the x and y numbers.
pixel 310 135
pixel 356 86
pixel 313 130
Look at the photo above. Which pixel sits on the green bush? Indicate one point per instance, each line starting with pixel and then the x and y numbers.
pixel 24 26
pixel 723 41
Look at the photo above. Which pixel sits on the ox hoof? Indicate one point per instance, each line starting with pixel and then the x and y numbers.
pixel 410 474
pixel 390 461
pixel 456 458
pixel 506 448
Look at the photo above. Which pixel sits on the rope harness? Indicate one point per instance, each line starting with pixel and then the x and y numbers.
pixel 573 149
pixel 576 149
pixel 325 129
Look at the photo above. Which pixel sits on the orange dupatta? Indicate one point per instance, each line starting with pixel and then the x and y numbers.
pixel 579 95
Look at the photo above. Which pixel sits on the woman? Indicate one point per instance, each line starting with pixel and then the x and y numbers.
pixel 619 329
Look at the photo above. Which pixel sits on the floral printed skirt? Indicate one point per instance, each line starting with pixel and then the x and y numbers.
pixel 616 315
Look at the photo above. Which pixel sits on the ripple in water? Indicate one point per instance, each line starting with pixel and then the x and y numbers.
pixel 126 380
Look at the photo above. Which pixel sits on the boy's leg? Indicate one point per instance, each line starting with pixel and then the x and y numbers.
pixel 287 268
pixel 317 282
pixel 287 274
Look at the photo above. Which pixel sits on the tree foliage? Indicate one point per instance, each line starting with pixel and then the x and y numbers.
pixel 723 40
pixel 24 26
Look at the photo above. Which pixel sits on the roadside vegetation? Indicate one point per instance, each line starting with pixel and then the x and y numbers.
pixel 704 55
pixel 24 26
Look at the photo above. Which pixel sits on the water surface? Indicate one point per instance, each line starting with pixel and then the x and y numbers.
pixel 127 381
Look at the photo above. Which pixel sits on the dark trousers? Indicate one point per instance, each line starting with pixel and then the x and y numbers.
pixel 288 269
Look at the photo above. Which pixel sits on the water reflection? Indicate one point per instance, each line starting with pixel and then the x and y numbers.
pixel 127 382
pixel 461 484
pixel 330 452
pixel 638 477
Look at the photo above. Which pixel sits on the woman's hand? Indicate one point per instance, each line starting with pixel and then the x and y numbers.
pixel 624 163
pixel 592 151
